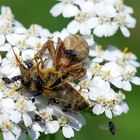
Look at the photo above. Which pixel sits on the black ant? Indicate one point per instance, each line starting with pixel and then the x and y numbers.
pixel 112 127
pixel 13 79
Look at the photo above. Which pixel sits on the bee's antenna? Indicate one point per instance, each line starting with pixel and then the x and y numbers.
pixel 17 59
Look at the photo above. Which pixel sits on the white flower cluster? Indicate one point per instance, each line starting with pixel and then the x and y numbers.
pixel 108 71
pixel 98 17
pixel 18 114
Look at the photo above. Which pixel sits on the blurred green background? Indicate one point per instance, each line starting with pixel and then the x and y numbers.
pixel 128 125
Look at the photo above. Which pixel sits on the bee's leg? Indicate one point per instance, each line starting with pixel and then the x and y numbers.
pixel 37 93
pixel 48 45
pixel 81 73
pixel 76 66
pixel 20 88
pixel 77 71
pixel 56 83
pixel 59 52
pixel 66 108
pixel 42 62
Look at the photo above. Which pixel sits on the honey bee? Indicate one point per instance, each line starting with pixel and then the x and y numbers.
pixel 54 83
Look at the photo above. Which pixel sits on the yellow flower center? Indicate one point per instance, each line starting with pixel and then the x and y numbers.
pixel 7 125
pixel 81 17
pixel 63 120
pixel 22 105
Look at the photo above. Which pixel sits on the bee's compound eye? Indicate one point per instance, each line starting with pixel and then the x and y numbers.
pixel 28 63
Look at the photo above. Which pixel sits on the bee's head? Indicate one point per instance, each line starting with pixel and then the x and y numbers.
pixel 24 69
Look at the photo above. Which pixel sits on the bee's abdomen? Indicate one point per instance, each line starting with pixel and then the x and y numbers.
pixel 70 97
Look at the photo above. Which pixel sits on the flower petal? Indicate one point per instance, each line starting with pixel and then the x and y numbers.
pixel 127 86
pixel 84 30
pixel 98 109
pixel 97 60
pixel 27 120
pixel 73 27
pixel 57 9
pixel 108 113
pixel 29 106
pixel 52 127
pixel 2 39
pixel 124 107
pixel 8 103
pixel 117 110
pixel 37 127
pixel 117 82
pixel 5 47
pixel 125 31
pixel 67 131
pixel 136 80
pixel 28 54
pixel 22 136
pixel 16 130
pixel 15 116
pixel 92 22
pixel 8 136
pixel 70 10
pixel 33 134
